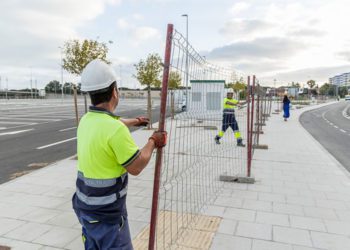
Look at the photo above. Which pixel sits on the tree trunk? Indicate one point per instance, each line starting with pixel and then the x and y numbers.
pixel 172 105
pixel 149 107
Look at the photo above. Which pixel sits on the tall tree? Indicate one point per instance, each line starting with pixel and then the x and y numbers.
pixel 311 83
pixel 77 54
pixel 148 73
pixel 53 87
pixel 174 80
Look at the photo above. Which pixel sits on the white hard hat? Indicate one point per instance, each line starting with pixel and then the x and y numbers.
pixel 97 75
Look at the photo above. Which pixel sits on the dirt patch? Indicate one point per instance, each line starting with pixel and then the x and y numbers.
pixel 4 248
pixel 38 165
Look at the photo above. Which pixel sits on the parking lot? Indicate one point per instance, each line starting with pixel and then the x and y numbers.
pixel 35 133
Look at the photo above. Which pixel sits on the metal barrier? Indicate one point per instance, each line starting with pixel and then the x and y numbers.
pixel 203 147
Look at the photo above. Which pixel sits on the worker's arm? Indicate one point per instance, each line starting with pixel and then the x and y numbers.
pixel 233 102
pixel 157 140
pixel 129 122
pixel 139 121
pixel 136 167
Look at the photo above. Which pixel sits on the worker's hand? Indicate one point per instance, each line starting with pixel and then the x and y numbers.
pixel 142 121
pixel 159 139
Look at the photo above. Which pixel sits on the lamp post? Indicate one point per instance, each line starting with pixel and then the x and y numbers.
pixel 7 86
pixel 61 72
pixel 31 82
pixel 186 78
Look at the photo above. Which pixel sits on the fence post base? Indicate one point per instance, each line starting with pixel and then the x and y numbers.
pixel 260 124
pixel 266 115
pixel 237 178
pixel 260 146
pixel 258 132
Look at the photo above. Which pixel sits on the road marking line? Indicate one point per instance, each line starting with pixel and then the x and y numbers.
pixel 342 130
pixel 56 143
pixel 2 128
pixel 66 129
pixel 335 126
pixel 15 132
pixel 6 122
pixel 331 124
pixel 27 119
pixel 344 113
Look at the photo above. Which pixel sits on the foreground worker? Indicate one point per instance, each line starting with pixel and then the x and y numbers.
pixel 229 119
pixel 106 154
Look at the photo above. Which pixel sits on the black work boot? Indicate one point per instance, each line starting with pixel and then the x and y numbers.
pixel 217 139
pixel 240 143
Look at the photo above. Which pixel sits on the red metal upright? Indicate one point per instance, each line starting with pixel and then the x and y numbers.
pixel 248 128
pixel 251 124
pixel 159 156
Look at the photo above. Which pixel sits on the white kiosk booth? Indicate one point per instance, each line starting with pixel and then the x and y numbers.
pixel 206 96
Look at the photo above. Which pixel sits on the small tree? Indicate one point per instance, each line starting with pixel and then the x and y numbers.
pixel 174 80
pixel 53 87
pixel 147 73
pixel 311 83
pixel 77 54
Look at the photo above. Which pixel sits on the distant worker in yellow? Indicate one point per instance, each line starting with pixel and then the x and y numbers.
pixel 106 154
pixel 229 119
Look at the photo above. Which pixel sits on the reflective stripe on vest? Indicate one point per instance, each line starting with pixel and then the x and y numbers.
pixel 94 201
pixel 229 111
pixel 98 182
pixel 101 184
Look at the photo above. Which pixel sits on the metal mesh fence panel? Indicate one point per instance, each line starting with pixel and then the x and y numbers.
pixel 194 157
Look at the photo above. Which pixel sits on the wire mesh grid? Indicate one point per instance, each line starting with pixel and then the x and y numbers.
pixel 193 161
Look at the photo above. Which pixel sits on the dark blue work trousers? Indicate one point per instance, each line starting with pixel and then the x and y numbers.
pixel 105 236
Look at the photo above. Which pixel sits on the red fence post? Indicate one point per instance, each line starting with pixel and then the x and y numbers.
pixel 249 132
pixel 252 114
pixel 159 156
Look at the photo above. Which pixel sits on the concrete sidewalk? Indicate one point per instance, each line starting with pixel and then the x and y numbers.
pixel 301 200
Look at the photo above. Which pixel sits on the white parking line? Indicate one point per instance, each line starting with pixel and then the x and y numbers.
pixel 15 132
pixel 342 130
pixel 335 126
pixel 1 128
pixel 66 129
pixel 56 143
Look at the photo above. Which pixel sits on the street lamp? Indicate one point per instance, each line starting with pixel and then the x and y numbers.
pixel 61 70
pixel 186 79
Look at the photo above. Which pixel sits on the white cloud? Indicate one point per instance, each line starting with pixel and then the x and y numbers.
pixel 137 16
pixel 239 7
pixel 141 34
pixel 123 24
pixel 309 35
pixel 32 30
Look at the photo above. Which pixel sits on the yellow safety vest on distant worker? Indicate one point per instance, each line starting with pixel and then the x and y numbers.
pixel 229 108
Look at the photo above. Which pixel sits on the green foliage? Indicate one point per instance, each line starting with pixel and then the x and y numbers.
pixel 148 71
pixel 311 83
pixel 174 80
pixel 327 89
pixel 295 85
pixel 53 87
pixel 237 86
pixel 78 54
pixel 343 91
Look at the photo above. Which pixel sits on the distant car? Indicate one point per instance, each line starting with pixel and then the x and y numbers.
pixel 347 98
pixel 182 105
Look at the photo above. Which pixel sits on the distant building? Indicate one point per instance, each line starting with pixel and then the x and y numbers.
pixel 340 80
pixel 206 95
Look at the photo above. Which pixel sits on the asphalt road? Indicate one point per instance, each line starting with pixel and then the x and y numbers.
pixel 35 133
pixel 330 125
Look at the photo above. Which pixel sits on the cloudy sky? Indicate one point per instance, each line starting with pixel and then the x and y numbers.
pixel 274 39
